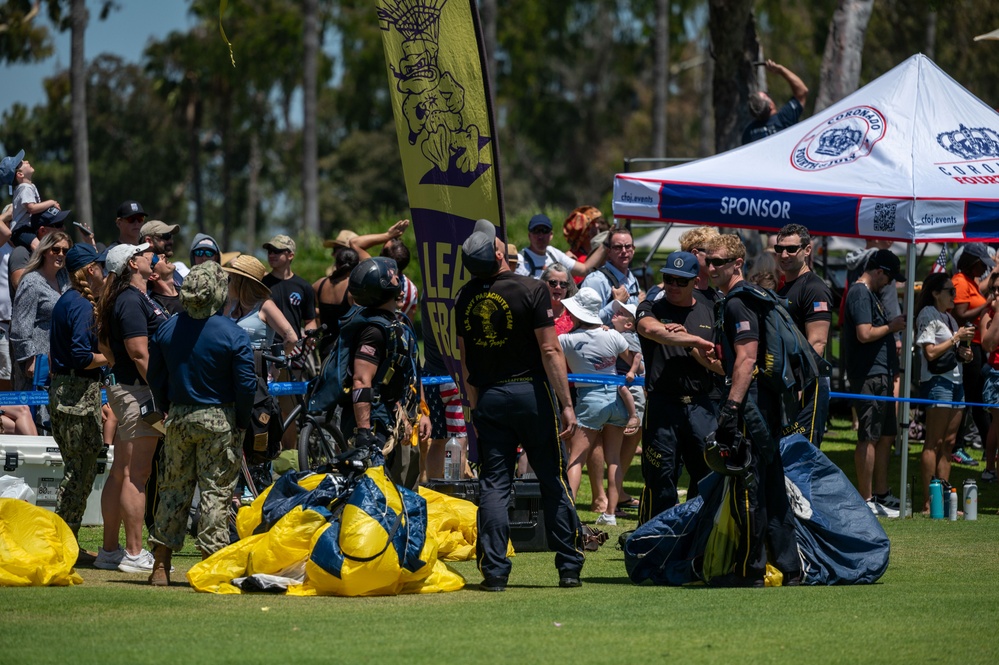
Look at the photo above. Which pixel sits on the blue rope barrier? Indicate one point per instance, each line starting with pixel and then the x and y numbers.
pixel 281 388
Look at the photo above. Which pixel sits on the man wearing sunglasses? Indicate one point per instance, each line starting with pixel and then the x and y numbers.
pixel 614 280
pixel 750 416
pixel 161 237
pixel 539 254
pixel 809 303
pixel 678 346
pixel 129 220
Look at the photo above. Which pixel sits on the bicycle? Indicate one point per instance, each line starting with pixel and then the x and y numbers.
pixel 319 437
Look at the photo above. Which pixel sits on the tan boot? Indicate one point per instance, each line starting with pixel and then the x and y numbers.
pixel 161 566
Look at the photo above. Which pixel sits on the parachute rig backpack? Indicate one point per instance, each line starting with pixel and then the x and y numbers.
pixel 789 362
pixel 397 376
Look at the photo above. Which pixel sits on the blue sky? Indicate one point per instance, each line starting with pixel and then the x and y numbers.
pixel 125 32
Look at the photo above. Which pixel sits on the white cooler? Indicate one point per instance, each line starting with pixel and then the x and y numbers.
pixel 37 460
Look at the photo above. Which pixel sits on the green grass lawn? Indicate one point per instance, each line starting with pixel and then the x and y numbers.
pixel 938 601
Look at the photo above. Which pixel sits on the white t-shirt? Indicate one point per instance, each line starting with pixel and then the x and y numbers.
pixel 542 261
pixel 5 304
pixel 592 351
pixel 934 327
pixel 25 193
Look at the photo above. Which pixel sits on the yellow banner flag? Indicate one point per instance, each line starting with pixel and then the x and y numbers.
pixel 444 121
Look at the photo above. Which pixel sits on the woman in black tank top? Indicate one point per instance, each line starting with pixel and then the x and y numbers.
pixel 331 296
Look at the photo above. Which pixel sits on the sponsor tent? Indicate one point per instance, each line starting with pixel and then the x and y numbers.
pixel 912 156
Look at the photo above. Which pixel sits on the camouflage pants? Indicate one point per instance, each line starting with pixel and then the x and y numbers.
pixel 201 448
pixel 75 407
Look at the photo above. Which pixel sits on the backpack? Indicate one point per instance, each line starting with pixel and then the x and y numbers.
pixel 396 375
pixel 262 441
pixel 789 362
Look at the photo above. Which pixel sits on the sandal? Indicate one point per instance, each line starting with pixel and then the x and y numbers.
pixel 634 424
pixel 628 503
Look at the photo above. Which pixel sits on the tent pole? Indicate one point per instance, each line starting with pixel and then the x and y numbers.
pixel 910 289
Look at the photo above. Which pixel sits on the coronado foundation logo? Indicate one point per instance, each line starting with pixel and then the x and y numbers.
pixel 842 139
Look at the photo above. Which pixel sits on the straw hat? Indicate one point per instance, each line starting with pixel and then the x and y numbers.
pixel 248 266
pixel 227 257
pixel 342 239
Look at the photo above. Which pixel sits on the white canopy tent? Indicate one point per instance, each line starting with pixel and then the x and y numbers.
pixel 912 156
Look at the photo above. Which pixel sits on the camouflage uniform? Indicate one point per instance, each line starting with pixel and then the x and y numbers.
pixel 203 444
pixel 202 447
pixel 76 427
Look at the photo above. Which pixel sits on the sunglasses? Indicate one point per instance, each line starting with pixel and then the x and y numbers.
pixel 702 250
pixel 790 249
pixel 622 248
pixel 164 236
pixel 554 283
pixel 155 259
pixel 670 280
pixel 204 252
pixel 58 251
pixel 718 262
pixel 542 231
pixel 277 251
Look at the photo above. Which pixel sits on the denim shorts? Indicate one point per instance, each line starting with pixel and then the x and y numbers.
pixel 941 389
pixel 990 391
pixel 599 406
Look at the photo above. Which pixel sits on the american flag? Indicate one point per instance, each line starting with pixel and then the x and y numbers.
pixel 941 263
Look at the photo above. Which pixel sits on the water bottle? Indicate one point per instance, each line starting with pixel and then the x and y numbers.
pixel 970 499
pixel 452 459
pixel 936 500
pixel 952 509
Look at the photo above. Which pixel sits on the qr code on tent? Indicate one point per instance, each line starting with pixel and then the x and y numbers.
pixel 884 217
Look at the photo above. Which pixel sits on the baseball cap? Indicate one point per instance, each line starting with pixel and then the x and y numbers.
pixel 585 305
pixel 79 256
pixel 119 255
pixel 130 208
pixel 49 217
pixel 478 252
pixel 8 167
pixel 155 227
pixel 681 264
pixel 204 290
pixel 980 251
pixel 883 259
pixel 539 220
pixel 280 243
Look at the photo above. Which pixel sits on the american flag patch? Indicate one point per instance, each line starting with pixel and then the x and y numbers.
pixel 742 326
pixel 820 307
pixel 550 313
pixel 367 350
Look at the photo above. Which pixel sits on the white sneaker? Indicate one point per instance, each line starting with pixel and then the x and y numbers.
pixel 108 560
pixel 140 563
pixel 888 500
pixel 881 510
pixel 603 519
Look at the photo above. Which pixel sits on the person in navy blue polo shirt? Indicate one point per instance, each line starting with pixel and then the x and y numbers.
pixel 75 391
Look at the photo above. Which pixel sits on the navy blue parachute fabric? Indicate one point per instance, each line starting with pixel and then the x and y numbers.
pixel 839 540
pixel 286 493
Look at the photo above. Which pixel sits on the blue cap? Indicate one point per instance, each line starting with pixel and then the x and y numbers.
pixel 103 255
pixel 79 256
pixel 540 219
pixel 8 167
pixel 681 264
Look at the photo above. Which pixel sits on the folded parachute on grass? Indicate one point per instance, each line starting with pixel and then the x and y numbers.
pixel 839 540
pixel 383 540
pixel 37 548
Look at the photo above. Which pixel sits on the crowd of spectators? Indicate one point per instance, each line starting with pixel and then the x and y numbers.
pixel 87 315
